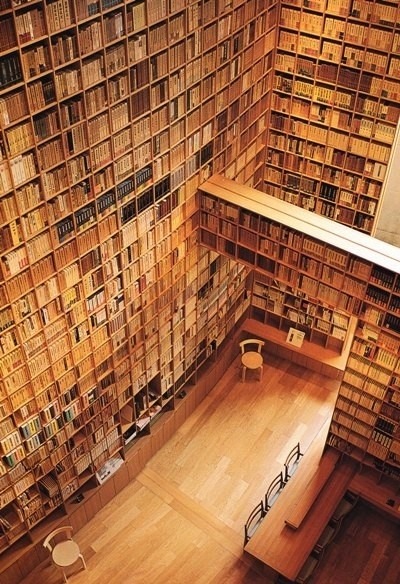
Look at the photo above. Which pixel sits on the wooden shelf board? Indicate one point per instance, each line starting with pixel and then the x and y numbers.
pixel 326 230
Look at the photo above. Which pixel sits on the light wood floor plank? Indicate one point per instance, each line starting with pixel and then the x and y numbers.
pixel 181 521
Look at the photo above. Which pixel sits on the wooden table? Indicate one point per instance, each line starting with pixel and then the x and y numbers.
pixel 251 360
pixel 300 508
pixel 277 544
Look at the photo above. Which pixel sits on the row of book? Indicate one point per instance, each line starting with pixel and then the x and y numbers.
pixel 381 439
pixel 19 138
pixel 59 15
pixel 64 49
pixel 385 425
pixel 382 277
pixel 333 156
pixel 40 93
pixel 316 25
pixel 392 322
pixel 374 12
pixel 35 61
pixel 136 16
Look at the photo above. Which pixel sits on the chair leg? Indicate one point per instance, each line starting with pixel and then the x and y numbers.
pixel 65 577
pixel 243 373
pixel 261 372
pixel 83 561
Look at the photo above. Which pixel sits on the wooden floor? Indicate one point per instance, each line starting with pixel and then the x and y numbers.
pixel 365 551
pixel 181 521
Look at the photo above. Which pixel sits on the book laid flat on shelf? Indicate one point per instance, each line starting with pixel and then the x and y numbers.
pixel 295 337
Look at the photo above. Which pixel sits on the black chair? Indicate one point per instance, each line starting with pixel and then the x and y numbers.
pixel 327 536
pixel 273 491
pixel 346 505
pixel 292 461
pixel 282 580
pixel 253 521
pixel 309 567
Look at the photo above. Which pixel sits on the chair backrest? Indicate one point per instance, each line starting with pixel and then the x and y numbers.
pixel 253 521
pixel 256 342
pixel 273 491
pixel 292 461
pixel 49 542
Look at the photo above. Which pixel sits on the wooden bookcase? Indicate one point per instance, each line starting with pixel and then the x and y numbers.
pixel 301 260
pixel 112 112
pixel 334 107
pixel 27 550
pixel 299 281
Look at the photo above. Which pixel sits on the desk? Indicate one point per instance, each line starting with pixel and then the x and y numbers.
pixel 316 358
pixel 322 484
pixel 366 485
pixel 252 360
pixel 284 549
pixel 298 511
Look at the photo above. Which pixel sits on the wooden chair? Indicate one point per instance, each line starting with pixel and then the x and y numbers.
pixel 63 549
pixel 253 521
pixel 292 461
pixel 251 359
pixel 273 491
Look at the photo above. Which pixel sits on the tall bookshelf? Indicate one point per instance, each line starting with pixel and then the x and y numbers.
pixel 299 281
pixel 334 107
pixel 111 115
pixel 312 261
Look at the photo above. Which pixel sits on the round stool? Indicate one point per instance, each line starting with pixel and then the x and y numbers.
pixel 252 360
pixel 66 553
